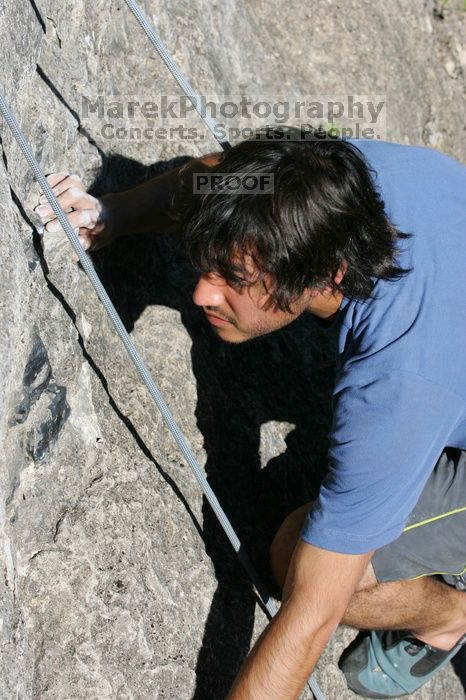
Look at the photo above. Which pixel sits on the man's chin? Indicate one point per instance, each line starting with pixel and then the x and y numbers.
pixel 230 335
pixel 233 336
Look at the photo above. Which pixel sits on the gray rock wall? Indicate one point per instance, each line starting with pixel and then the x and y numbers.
pixel 117 582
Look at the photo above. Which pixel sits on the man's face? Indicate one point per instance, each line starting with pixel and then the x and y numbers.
pixel 240 314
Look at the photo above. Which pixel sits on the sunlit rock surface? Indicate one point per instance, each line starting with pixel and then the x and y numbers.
pixel 116 580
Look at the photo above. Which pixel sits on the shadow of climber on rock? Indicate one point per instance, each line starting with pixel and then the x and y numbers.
pixel 242 390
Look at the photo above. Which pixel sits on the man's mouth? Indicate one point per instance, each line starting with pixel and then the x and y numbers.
pixel 216 320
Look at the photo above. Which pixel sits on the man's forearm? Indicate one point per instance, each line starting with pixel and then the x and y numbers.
pixel 151 206
pixel 282 659
pixel 317 590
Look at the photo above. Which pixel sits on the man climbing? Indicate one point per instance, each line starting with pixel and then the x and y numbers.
pixel 370 237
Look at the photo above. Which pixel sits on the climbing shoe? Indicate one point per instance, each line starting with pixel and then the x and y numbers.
pixel 391 664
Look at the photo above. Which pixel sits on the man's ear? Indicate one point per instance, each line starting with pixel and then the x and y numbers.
pixel 328 289
pixel 341 272
pixel 317 292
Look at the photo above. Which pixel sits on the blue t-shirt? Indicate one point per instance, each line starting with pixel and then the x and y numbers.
pixel 400 390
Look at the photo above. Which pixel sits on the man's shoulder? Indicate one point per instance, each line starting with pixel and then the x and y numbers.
pixel 424 190
pixel 391 151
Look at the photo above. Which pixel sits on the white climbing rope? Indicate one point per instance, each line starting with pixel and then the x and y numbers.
pixel 177 73
pixel 117 323
pixel 143 372
pixel 140 366
pixel 211 124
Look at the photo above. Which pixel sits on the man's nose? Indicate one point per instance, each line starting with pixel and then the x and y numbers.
pixel 209 291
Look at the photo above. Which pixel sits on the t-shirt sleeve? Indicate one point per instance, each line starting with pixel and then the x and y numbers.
pixel 387 435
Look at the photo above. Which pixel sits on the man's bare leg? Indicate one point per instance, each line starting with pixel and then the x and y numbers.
pixel 432 611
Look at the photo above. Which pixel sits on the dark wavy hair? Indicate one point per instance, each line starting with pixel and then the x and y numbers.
pixel 324 211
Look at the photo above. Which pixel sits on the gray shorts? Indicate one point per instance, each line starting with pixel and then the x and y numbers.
pixel 434 539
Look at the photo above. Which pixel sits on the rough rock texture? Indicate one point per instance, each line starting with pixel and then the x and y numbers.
pixel 117 582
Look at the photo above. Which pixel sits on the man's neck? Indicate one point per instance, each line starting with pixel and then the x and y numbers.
pixel 325 304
